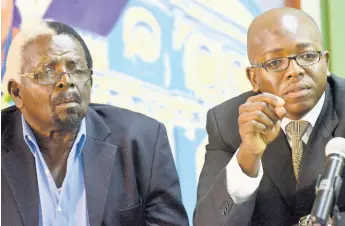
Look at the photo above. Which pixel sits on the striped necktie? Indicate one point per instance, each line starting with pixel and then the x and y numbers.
pixel 295 130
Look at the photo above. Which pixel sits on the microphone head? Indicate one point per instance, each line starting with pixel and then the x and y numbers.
pixel 336 146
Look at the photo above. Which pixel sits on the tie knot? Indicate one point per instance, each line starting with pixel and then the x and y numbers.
pixel 297 128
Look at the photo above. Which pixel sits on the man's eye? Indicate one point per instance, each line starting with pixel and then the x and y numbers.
pixel 48 71
pixel 273 63
pixel 79 72
pixel 309 56
pixel 41 75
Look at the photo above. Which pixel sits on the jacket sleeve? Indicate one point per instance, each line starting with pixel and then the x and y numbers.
pixel 214 204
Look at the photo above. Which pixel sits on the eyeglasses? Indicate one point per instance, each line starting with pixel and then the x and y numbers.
pixel 279 64
pixel 49 76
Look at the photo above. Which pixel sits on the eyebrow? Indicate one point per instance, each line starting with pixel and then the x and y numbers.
pixel 75 60
pixel 60 54
pixel 304 45
pixel 298 46
pixel 273 50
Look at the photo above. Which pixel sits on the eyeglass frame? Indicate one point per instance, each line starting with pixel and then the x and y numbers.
pixel 34 76
pixel 261 65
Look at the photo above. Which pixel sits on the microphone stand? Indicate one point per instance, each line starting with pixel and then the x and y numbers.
pixel 320 216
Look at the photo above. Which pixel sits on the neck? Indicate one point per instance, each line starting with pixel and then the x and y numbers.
pixel 294 116
pixel 56 142
pixel 52 140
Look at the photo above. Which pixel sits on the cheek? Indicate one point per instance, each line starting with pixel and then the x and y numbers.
pixel 37 100
pixel 41 102
pixel 270 84
pixel 85 92
pixel 318 74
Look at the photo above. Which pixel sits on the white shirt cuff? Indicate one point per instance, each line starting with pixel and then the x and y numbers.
pixel 240 186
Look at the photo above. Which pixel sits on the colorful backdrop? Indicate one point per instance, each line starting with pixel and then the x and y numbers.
pixel 169 59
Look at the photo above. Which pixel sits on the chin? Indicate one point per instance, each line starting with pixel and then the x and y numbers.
pixel 69 119
pixel 68 123
pixel 299 109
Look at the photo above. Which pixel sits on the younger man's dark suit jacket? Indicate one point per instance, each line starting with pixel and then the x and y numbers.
pixel 279 200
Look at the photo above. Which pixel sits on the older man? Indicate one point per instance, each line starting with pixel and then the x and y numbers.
pixel 68 162
pixel 266 147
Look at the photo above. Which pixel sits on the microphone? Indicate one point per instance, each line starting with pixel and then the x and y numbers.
pixel 329 184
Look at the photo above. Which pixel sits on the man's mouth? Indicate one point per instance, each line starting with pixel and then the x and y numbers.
pixel 297 91
pixel 67 102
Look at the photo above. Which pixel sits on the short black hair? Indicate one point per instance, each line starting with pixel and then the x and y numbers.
pixel 61 28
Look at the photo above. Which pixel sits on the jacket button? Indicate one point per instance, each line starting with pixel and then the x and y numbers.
pixel 225 208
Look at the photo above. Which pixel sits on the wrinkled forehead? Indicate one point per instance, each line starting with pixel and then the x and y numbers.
pixel 55 48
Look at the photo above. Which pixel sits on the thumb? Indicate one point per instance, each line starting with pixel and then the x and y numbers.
pixel 276 128
pixel 274 132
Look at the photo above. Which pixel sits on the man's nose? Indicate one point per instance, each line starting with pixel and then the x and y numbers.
pixel 65 81
pixel 294 70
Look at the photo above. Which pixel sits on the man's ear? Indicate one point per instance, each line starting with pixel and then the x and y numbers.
pixel 251 75
pixel 13 89
pixel 326 56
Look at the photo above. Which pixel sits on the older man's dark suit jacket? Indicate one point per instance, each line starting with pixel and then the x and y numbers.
pixel 124 186
pixel 279 200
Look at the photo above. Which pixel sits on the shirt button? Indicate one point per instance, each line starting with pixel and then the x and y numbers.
pixel 46 171
pixel 59 208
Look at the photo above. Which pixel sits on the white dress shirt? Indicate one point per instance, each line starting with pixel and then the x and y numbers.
pixel 242 187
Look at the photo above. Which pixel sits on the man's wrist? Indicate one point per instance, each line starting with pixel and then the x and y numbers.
pixel 249 161
pixel 240 186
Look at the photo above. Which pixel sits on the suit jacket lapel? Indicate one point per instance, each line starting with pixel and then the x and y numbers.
pixel 98 158
pixel 313 160
pixel 19 168
pixel 277 164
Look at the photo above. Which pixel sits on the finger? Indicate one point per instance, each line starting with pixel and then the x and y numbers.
pixel 280 111
pixel 269 98
pixel 276 126
pixel 257 116
pixel 273 129
pixel 259 106
pixel 254 126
